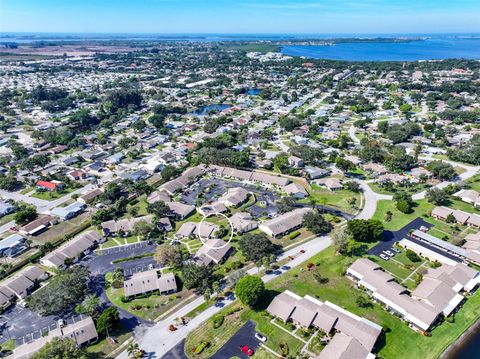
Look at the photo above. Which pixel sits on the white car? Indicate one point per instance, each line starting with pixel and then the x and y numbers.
pixel 384 257
pixel 261 337
pixel 388 253
pixel 396 250
pixel 61 323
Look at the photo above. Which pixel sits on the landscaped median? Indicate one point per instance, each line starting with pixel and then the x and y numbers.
pixel 326 281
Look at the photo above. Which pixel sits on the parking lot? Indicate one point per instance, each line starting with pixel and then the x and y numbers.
pixel 125 248
pixel 209 189
pixel 244 336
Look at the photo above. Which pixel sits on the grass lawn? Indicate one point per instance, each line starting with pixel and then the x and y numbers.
pixel 149 308
pixel 337 199
pixel 400 219
pixel 216 337
pixel 262 353
pixel 51 195
pixel 7 218
pixel 9 345
pixel 341 291
pixel 105 347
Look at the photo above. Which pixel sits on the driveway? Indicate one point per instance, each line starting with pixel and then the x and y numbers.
pixel 390 237
pixel 177 352
pixel 244 336
pixel 394 236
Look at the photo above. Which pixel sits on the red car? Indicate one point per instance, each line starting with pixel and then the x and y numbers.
pixel 245 349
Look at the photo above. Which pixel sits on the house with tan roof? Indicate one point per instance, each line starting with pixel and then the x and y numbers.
pixel 359 334
pixel 148 282
pixel 439 294
pixel 243 222
pixel 213 251
pixel 234 197
pixel 81 332
pixel 284 223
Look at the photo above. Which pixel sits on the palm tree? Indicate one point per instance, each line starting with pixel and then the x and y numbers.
pixel 132 349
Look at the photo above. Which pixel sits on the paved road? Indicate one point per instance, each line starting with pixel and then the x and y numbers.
pixel 352 134
pixel 470 171
pixel 370 200
pixel 41 204
pixel 158 340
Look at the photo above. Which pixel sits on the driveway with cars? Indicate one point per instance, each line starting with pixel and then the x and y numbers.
pixel 390 237
pixel 244 336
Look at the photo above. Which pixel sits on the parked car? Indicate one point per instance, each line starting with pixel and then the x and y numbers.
pixel 424 229
pixel 388 253
pixel 384 257
pixel 396 250
pixel 61 323
pixel 261 337
pixel 245 349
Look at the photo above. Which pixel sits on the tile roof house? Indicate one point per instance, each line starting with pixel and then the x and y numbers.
pixel 125 225
pixel 295 190
pixel 437 295
pixel 234 197
pixel 90 196
pixel 38 225
pixel 333 184
pixel 20 284
pixel 469 196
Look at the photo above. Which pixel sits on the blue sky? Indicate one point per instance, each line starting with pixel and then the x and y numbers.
pixel 240 16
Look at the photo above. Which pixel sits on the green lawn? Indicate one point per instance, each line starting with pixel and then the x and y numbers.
pixel 105 347
pixel 336 199
pixel 52 195
pixel 148 308
pixel 400 219
pixel 341 291
pixel 216 337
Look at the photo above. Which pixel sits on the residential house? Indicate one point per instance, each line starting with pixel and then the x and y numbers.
pixel 212 251
pixel 295 190
pixel 357 335
pixel 284 223
pixel 68 212
pixel 243 222
pixel 72 250
pixel 333 184
pixel 125 225
pixel 148 282
pixel 12 246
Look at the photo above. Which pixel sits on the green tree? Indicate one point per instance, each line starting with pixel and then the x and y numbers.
pixel 63 348
pixel 257 246
pixel 249 290
pixel 108 320
pixel 25 215
pixel 365 230
pixel 316 223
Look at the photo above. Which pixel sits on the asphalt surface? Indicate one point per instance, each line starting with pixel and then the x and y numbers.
pixel 25 325
pixel 212 188
pixel 390 237
pixel 394 236
pixel 177 352
pixel 244 336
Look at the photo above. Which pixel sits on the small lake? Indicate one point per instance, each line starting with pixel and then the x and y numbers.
pixel 429 49
pixel 469 349
pixel 253 92
pixel 214 108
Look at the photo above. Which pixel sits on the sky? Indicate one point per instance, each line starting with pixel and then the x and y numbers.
pixel 241 16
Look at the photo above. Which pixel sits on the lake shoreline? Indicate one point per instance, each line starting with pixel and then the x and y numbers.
pixel 453 348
